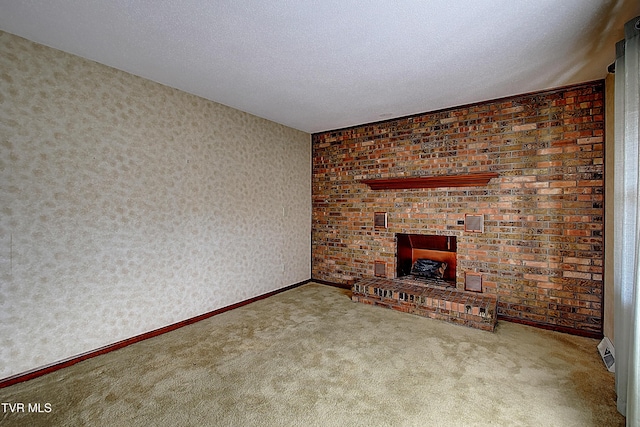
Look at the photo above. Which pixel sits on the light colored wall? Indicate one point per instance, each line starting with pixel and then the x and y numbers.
pixel 609 168
pixel 126 205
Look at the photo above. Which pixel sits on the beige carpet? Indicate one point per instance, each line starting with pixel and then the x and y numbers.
pixel 311 357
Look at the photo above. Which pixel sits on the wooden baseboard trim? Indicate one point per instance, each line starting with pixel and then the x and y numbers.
pixel 25 376
pixel 335 285
pixel 557 328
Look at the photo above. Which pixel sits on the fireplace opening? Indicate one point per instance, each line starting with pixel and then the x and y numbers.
pixel 430 259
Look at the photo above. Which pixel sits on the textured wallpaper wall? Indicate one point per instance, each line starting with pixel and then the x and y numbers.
pixel 127 205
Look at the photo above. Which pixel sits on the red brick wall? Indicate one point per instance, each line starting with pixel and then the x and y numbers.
pixel 541 251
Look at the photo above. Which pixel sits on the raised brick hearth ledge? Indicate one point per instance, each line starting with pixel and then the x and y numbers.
pixel 449 304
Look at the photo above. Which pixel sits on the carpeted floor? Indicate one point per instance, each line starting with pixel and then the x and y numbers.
pixel 311 357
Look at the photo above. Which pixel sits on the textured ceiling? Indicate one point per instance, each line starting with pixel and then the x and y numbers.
pixel 330 64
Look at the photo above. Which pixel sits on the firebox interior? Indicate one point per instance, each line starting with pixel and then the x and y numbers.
pixel 412 247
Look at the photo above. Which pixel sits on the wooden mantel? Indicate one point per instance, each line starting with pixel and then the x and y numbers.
pixel 437 181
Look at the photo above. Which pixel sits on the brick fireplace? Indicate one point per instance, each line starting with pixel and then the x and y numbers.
pixel 431 291
pixel 540 250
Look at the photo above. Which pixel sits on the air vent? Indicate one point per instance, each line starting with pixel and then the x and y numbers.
pixel 474 223
pixel 380 220
pixel 608 354
pixel 473 282
pixel 379 269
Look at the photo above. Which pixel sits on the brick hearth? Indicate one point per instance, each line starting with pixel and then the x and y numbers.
pixel 443 303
